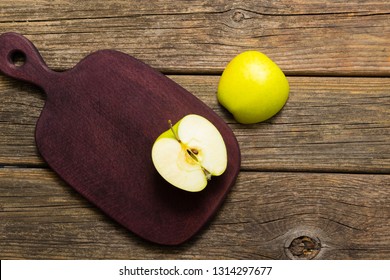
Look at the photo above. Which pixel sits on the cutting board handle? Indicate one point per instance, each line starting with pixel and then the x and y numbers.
pixel 30 67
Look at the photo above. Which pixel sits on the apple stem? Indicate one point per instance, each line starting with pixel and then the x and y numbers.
pixel 173 131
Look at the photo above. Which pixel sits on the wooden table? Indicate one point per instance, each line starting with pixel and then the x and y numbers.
pixel 314 180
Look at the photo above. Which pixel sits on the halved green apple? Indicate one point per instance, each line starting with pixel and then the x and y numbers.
pixel 189 153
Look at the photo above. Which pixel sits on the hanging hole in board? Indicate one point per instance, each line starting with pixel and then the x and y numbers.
pixel 17 58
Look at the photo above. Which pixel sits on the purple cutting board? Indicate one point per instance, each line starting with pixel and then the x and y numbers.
pixel 97 129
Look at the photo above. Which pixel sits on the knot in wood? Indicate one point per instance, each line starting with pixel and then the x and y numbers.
pixel 304 248
pixel 238 16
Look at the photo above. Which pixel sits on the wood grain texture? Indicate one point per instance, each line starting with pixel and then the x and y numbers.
pixel 43 218
pixel 328 124
pixel 303 37
pixel 320 168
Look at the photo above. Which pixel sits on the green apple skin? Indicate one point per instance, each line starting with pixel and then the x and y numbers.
pixel 169 133
pixel 252 87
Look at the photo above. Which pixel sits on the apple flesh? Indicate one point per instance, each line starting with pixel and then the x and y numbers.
pixel 189 153
pixel 252 87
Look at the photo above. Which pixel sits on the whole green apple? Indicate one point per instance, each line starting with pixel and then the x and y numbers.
pixel 252 87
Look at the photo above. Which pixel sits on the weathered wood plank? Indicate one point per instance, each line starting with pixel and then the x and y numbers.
pixel 42 218
pixel 303 37
pixel 328 124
